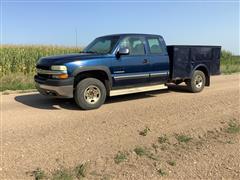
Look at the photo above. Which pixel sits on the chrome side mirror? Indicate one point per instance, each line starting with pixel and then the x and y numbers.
pixel 123 51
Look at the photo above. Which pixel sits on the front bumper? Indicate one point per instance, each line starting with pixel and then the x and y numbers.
pixel 55 87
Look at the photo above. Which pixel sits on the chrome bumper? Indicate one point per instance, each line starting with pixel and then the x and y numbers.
pixel 58 91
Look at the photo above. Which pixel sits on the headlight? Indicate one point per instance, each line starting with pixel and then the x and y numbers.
pixel 61 70
pixel 58 68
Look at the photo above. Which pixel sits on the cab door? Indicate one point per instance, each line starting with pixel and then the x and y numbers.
pixel 159 61
pixel 132 69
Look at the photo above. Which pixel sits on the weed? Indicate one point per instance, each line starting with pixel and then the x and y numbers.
pixel 152 156
pixel 233 127
pixel 39 174
pixel 163 147
pixel 163 139
pixel 171 163
pixel 155 147
pixel 81 171
pixel 95 173
pixel 144 132
pixel 120 157
pixel 229 142
pixel 183 138
pixel 5 93
pixel 161 172
pixel 140 151
pixel 106 177
pixel 62 175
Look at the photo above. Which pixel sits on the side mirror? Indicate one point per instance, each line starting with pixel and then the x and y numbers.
pixel 123 51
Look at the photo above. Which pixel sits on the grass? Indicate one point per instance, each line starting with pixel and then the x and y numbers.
pixel 171 163
pixel 81 171
pixel 140 151
pixel 163 139
pixel 233 127
pixel 17 81
pixel 62 174
pixel 229 63
pixel 120 157
pixel 106 177
pixel 144 132
pixel 39 174
pixel 183 138
pixel 161 172
pixel 155 147
pixel 152 156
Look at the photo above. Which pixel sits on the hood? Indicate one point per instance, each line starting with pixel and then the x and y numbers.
pixel 62 59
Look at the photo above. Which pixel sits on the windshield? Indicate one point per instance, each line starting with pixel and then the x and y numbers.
pixel 102 45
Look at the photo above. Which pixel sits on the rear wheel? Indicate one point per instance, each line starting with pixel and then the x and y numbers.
pixel 90 93
pixel 197 82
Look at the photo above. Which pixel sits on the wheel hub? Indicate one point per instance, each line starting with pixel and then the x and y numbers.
pixel 92 94
pixel 198 81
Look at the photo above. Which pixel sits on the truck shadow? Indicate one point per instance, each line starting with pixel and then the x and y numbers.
pixel 178 88
pixel 42 102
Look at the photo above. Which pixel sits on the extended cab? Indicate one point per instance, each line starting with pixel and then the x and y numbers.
pixel 125 63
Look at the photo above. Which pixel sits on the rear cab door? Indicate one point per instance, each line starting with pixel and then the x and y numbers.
pixel 158 58
pixel 132 69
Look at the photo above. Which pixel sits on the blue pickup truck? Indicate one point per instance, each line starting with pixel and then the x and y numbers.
pixel 125 63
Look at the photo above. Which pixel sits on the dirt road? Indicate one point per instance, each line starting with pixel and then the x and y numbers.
pixel 51 134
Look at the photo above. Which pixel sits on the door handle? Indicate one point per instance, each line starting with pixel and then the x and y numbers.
pixel 145 61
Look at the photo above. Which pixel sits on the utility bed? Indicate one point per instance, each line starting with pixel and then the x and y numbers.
pixel 184 59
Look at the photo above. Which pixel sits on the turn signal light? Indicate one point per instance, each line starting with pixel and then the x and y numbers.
pixel 60 76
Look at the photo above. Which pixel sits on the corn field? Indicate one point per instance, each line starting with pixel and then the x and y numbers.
pixel 22 59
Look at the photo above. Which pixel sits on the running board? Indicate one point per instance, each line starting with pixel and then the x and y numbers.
pixel 137 89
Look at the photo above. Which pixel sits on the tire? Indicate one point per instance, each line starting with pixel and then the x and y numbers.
pixel 90 93
pixel 197 82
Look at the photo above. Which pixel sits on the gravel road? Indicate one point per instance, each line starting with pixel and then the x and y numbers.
pixel 39 132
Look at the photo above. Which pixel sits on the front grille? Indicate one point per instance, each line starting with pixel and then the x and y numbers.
pixel 44 76
pixel 45 67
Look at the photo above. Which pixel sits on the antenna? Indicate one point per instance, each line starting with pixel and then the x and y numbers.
pixel 76 38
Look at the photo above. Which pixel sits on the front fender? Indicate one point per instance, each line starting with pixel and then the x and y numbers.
pixel 93 68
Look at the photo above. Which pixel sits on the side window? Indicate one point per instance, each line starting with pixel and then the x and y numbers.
pixel 134 44
pixel 155 46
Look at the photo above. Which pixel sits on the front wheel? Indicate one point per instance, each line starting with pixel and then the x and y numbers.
pixel 90 93
pixel 197 82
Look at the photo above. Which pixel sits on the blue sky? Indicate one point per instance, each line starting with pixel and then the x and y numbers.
pixel 185 22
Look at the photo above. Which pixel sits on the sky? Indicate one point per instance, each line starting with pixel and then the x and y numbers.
pixel 58 22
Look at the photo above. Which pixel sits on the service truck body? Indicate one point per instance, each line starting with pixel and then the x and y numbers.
pixel 125 63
